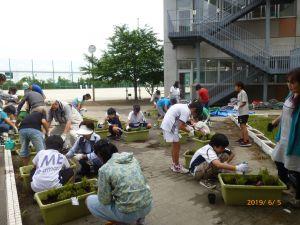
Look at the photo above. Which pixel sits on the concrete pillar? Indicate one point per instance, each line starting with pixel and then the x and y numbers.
pixel 198 60
pixel 267 46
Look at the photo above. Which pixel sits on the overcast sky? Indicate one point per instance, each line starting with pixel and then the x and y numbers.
pixel 63 29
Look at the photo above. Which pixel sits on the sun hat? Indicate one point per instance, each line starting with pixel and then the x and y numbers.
pixel 25 86
pixel 84 130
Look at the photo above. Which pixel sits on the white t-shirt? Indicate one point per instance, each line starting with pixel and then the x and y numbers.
pixel 139 118
pixel 243 97
pixel 174 93
pixel 207 152
pixel 177 112
pixel 48 164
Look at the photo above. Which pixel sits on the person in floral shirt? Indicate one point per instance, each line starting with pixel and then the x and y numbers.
pixel 123 193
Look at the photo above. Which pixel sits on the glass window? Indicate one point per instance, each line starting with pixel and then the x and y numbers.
pixel 282 78
pixel 287 9
pixel 211 71
pixel 184 4
pixel 225 69
pixel 184 64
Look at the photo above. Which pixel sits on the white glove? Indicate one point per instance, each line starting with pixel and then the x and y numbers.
pixel 127 127
pixel 243 167
pixel 189 128
pixel 16 130
pixel 202 126
pixel 78 156
pixel 192 133
pixel 235 107
pixel 64 136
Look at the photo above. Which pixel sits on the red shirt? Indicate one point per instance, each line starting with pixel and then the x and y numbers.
pixel 203 95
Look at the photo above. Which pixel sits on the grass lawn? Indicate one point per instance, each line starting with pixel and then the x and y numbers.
pixel 261 123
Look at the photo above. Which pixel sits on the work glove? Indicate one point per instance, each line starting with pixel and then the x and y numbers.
pixel 270 127
pixel 79 156
pixel 243 167
pixel 127 127
pixel 189 128
pixel 16 130
pixel 64 136
pixel 192 133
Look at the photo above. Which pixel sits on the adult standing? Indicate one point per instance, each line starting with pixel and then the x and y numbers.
pixel 35 101
pixel 175 92
pixel 30 131
pixel 287 151
pixel 68 119
pixel 203 95
pixel 176 119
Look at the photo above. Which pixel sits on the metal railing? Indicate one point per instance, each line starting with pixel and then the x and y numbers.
pixel 226 87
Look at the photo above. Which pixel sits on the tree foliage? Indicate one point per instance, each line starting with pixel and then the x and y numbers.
pixel 134 56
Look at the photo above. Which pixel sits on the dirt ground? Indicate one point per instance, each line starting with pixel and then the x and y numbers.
pixel 179 199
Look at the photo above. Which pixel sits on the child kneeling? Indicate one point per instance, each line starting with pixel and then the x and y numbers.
pixel 210 159
pixel 51 168
pixel 137 119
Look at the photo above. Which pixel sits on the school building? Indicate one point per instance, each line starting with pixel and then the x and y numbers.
pixel 219 42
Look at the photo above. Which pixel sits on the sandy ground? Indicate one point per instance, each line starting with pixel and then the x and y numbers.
pixel 179 199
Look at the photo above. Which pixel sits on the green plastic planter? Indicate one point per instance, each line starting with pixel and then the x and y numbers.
pixel 188 155
pixel 152 113
pixel 102 132
pixel 62 211
pixel 140 135
pixel 249 194
pixel 25 173
pixel 22 115
pixel 32 155
pixel 93 120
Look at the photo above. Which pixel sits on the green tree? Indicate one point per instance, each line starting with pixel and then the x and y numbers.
pixel 134 56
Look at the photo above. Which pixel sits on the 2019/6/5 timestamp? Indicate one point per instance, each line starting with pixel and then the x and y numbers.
pixel 256 202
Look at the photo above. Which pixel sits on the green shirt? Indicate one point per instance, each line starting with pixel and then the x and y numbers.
pixel 121 181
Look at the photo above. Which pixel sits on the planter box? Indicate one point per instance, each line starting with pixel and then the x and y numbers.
pixel 140 135
pixel 102 132
pixel 32 155
pixel 152 113
pixel 246 194
pixel 159 123
pixel 63 211
pixel 199 143
pixel 25 173
pixel 188 155
pixel 93 120
pixel 183 139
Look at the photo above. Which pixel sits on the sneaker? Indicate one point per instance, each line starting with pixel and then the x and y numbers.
pixel 295 203
pixel 207 184
pixel 239 140
pixel 245 144
pixel 179 169
pixel 140 221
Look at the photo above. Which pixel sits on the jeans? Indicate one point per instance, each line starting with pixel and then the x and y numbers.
pixel 111 212
pixel 4 128
pixel 34 136
pixel 90 168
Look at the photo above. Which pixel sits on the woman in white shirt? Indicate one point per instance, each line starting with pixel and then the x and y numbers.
pixel 175 91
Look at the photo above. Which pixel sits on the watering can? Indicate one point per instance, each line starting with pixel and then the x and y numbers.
pixel 9 144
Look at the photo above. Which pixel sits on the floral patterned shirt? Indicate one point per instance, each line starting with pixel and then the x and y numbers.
pixel 121 181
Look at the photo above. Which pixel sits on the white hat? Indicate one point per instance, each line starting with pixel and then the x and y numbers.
pixel 25 86
pixel 84 130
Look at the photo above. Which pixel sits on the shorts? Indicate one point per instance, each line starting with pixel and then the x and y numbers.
pixel 171 137
pixel 243 119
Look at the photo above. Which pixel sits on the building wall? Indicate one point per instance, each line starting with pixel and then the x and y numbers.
pixel 284 31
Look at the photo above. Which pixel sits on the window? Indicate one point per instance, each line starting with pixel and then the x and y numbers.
pixel 184 65
pixel 287 9
pixel 225 69
pixel 211 71
pixel 184 4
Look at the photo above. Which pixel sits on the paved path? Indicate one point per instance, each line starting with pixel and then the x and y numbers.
pixel 180 200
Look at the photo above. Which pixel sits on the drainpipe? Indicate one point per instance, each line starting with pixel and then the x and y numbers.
pixel 267 47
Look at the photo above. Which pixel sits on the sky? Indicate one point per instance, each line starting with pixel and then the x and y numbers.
pixel 62 30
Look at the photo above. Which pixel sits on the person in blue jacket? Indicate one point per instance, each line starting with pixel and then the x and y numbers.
pixel 33 87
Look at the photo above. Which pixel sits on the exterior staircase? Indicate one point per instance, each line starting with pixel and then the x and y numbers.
pixel 216 27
